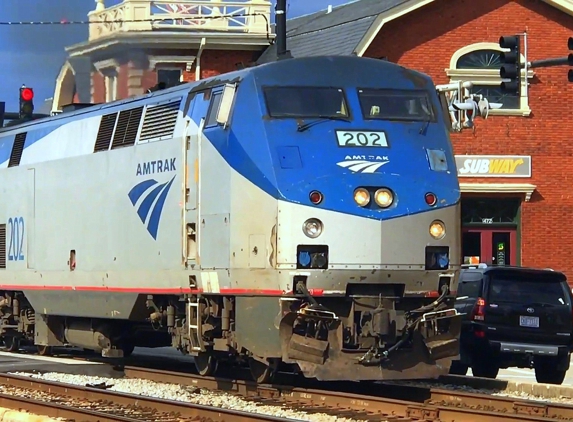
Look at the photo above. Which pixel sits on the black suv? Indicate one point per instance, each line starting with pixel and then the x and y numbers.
pixel 515 317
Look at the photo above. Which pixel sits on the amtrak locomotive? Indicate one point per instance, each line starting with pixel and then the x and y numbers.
pixel 301 213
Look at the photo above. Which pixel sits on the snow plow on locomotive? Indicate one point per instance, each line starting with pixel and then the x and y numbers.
pixel 275 215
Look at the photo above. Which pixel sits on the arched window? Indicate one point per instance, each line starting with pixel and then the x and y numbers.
pixel 479 63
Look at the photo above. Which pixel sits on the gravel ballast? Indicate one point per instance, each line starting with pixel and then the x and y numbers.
pixel 175 392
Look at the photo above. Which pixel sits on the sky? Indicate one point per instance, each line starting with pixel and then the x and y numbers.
pixel 34 55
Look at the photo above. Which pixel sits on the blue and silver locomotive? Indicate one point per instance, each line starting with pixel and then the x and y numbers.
pixel 303 212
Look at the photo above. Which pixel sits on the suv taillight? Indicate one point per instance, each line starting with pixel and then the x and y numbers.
pixel 478 310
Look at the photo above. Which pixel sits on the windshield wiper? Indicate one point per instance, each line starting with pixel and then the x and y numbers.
pixel 424 128
pixel 302 128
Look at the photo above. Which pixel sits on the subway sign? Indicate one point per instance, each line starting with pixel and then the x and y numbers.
pixel 493 165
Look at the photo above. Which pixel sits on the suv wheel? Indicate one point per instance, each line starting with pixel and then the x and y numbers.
pixel 546 375
pixel 458 368
pixel 485 368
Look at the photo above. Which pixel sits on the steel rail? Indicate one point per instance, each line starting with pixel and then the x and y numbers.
pixel 441 405
pixel 55 410
pixel 412 402
pixel 548 410
pixel 96 405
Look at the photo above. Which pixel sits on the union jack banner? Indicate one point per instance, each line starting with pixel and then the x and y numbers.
pixel 193 14
pixel 180 13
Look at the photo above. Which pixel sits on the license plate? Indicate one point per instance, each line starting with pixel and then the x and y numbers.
pixel 529 321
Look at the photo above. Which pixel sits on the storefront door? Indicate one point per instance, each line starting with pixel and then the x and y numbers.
pixel 490 246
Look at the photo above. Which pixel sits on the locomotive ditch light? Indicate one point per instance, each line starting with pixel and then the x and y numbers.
pixel 362 197
pixel 312 228
pixel 384 197
pixel 437 229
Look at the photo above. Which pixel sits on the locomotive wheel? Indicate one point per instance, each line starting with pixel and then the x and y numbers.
pixel 205 363
pixel 44 350
pixel 12 343
pixel 263 373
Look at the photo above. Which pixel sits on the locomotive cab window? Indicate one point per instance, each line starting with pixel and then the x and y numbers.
pixel 211 119
pixel 394 104
pixel 283 101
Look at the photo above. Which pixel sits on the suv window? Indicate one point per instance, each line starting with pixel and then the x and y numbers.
pixel 470 289
pixel 517 288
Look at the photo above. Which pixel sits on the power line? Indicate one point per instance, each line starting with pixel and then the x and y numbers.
pixel 67 22
pixel 149 20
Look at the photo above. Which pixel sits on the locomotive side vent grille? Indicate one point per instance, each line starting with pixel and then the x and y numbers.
pixel 105 132
pixel 3 246
pixel 160 121
pixel 17 150
pixel 127 127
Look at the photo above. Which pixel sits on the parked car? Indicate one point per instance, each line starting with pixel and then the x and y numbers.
pixel 515 317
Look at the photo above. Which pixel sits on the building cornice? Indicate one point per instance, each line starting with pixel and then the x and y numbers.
pixel 106 66
pixel 158 60
pixel 169 40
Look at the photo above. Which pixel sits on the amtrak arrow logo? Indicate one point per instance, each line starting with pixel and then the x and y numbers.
pixel 150 209
pixel 362 166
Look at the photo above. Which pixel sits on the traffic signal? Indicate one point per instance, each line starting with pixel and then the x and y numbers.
pixel 2 113
pixel 26 103
pixel 570 59
pixel 510 61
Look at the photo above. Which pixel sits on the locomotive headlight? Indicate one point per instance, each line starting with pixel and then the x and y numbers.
pixel 384 197
pixel 437 229
pixel 312 227
pixel 361 197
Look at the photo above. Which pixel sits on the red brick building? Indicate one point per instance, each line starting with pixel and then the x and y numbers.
pixel 529 215
pixel 137 43
pixel 515 205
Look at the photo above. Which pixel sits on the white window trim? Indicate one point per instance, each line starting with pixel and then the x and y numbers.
pixel 490 77
pixel 109 69
pixel 156 62
pixel 110 82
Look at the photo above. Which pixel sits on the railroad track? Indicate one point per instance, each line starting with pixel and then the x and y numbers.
pixel 432 404
pixel 361 401
pixel 85 404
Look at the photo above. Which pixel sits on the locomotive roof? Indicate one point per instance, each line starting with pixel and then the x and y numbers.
pixel 324 69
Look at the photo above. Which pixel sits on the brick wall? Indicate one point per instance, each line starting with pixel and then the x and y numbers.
pixel 98 86
pixel 426 39
pixel 122 81
pixel 213 62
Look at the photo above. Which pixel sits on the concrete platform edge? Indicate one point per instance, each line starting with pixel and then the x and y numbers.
pixel 547 391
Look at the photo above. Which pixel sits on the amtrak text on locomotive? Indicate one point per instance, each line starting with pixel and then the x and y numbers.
pixel 158 166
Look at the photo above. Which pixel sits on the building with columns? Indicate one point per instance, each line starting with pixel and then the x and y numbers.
pixel 136 44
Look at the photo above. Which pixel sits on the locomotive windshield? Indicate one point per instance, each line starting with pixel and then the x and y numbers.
pixel 283 101
pixel 394 104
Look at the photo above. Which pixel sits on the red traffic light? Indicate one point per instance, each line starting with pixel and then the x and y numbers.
pixel 27 94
